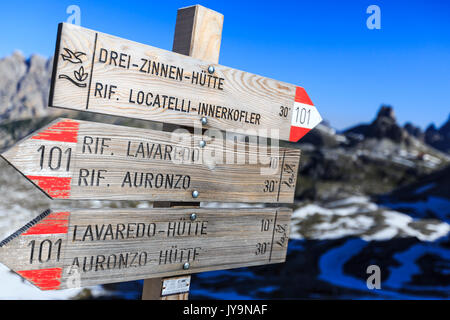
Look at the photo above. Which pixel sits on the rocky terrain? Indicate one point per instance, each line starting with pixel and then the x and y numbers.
pixel 24 87
pixel 367 159
pixel 376 193
pixel 438 138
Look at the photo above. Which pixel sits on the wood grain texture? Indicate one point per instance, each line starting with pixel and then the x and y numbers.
pixel 96 246
pixel 101 73
pixel 73 159
pixel 151 289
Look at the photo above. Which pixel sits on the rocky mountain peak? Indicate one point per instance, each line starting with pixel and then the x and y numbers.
pixel 439 138
pixel 24 86
pixel 17 55
pixel 386 113
pixel 414 131
pixel 385 125
pixel 445 129
pixel 431 128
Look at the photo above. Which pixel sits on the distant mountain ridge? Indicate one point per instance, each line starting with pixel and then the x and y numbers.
pixel 385 126
pixel 24 87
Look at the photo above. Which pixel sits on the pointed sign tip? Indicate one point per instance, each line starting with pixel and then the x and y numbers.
pixel 304 118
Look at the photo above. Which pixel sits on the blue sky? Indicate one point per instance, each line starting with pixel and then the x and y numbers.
pixel 324 46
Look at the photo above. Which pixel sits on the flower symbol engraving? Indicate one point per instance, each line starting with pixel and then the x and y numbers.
pixel 79 75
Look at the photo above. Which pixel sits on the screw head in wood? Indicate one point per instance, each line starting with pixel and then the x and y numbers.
pixel 202 144
pixel 193 216
pixel 195 194
pixel 211 69
pixel 186 266
pixel 204 120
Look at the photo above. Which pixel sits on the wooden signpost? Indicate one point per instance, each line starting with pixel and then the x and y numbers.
pixel 198 33
pixel 60 250
pixel 73 159
pixel 101 73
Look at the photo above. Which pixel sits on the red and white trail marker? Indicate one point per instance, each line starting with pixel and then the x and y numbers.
pixel 304 115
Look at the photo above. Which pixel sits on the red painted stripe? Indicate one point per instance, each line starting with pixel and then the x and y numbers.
pixel 55 222
pixel 55 187
pixel 63 131
pixel 302 97
pixel 297 133
pixel 44 279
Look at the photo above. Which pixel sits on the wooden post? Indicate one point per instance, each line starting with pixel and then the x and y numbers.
pixel 198 33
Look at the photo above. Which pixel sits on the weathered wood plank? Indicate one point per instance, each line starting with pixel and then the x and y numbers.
pixel 73 159
pixel 101 73
pixel 87 247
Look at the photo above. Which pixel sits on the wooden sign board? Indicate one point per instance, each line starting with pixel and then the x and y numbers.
pixel 101 73
pixel 72 159
pixel 59 250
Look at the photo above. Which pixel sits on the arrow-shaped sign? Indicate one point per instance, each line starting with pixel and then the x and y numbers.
pixel 59 250
pixel 101 73
pixel 72 159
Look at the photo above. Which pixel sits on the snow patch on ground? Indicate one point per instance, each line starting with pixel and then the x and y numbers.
pixel 357 216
